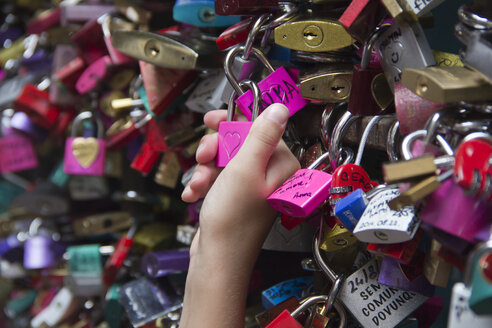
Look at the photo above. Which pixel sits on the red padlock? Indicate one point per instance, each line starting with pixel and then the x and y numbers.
pixel 361 18
pixel 35 103
pixel 402 252
pixel 243 7
pixel 44 21
pixel 90 41
pixel 473 168
pixel 347 178
pixel 164 85
pixel 69 74
pixel 235 34
pixel 146 158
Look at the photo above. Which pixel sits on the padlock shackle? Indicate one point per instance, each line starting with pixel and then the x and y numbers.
pixel 313 300
pixel 472 19
pixel 409 139
pixel 291 13
pixel 391 148
pixel 229 60
pixel 320 160
pixel 256 100
pixel 319 260
pixel 363 139
pixel 340 128
pixel 86 116
pixel 367 50
pixel 253 33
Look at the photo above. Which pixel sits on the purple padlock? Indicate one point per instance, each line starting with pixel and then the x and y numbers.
pixel 41 252
pixel 278 87
pixel 85 156
pixel 233 133
pixel 303 192
pixel 391 275
pixel 159 264
pixel 21 122
pixel 449 209
pixel 40 61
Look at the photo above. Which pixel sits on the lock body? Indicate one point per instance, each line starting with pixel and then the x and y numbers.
pixel 231 138
pixel 278 87
pixel 84 156
pixel 200 13
pixel 380 224
pixel 302 193
pixel 446 208
pixel 17 154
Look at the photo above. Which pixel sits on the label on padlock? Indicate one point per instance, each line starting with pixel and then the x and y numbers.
pixel 282 291
pixel 375 305
pixel 278 87
pixel 460 314
pixel 380 224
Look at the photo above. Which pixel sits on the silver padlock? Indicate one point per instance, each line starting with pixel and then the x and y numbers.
pixel 87 187
pixel 244 66
pixel 372 304
pixel 207 94
pixel 382 225
pixel 403 46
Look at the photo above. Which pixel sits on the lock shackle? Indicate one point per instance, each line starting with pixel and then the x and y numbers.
pixel 320 160
pixel 253 33
pixel 341 127
pixel 313 300
pixel 367 50
pixel 290 13
pixel 477 252
pixel 407 143
pixel 86 116
pixel 230 59
pixel 391 148
pixel 363 139
pixel 256 100
pixel 472 19
pixel 317 256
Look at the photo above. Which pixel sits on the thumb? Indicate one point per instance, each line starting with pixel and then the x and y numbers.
pixel 264 136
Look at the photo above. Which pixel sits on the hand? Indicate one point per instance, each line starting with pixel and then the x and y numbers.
pixel 235 218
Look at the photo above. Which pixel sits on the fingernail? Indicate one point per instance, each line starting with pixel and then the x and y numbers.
pixel 194 177
pixel 200 148
pixel 186 190
pixel 277 113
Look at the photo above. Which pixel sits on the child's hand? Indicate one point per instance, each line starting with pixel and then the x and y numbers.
pixel 235 218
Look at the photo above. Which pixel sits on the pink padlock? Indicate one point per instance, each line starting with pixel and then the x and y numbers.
pixel 451 210
pixel 303 192
pixel 93 76
pixel 278 87
pixel 232 133
pixel 16 153
pixel 85 156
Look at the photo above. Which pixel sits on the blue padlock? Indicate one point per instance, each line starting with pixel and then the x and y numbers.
pixel 201 13
pixel 350 208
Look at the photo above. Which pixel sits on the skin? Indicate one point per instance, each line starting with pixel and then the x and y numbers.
pixel 235 218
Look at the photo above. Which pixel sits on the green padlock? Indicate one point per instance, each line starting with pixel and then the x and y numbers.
pixel 113 311
pixel 21 303
pixel 85 260
pixel 480 264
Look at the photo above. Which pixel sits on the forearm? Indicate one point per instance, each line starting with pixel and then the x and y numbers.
pixel 216 289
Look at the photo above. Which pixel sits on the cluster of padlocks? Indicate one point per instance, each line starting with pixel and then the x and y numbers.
pixel 387 224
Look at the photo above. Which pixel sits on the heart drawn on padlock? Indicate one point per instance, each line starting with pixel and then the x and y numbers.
pixel 85 150
pixel 232 141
